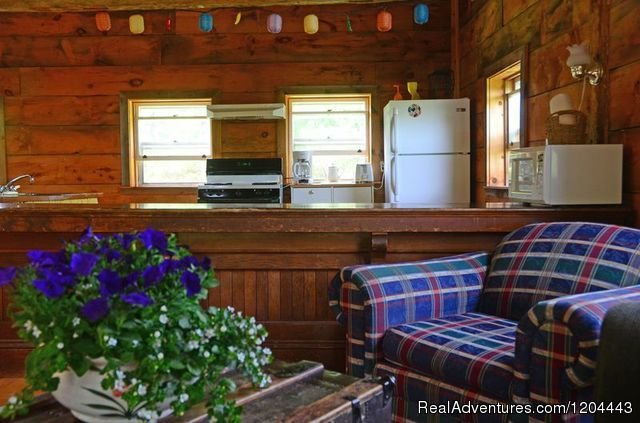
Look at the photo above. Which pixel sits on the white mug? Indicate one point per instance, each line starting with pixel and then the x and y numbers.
pixel 334 173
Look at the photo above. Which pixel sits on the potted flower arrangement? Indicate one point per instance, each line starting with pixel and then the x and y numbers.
pixel 119 332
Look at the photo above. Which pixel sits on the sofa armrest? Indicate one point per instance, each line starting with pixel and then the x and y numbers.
pixel 369 299
pixel 557 344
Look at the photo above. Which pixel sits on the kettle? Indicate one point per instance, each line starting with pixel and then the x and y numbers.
pixel 364 173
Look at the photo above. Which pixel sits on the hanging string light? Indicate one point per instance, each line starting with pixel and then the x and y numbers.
pixel 206 22
pixel 136 24
pixel 384 21
pixel 238 18
pixel 103 21
pixel 349 27
pixel 169 24
pixel 421 13
pixel 311 24
pixel 274 23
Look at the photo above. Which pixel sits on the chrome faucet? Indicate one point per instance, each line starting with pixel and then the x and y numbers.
pixel 11 187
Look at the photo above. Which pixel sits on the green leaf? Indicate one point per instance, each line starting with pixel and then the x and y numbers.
pixel 176 364
pixel 79 364
pixel 184 323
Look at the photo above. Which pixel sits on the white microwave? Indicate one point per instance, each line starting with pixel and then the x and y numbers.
pixel 567 174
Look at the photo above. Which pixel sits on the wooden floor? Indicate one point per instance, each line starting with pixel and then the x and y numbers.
pixel 8 387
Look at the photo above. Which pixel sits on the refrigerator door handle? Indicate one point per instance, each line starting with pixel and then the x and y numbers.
pixel 394 134
pixel 394 179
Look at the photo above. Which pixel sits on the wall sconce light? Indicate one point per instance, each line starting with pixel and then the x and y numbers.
pixel 582 66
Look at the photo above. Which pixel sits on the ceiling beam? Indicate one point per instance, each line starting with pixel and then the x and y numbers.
pixel 115 5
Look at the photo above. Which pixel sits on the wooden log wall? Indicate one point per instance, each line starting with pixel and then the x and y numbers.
pixel 491 29
pixel 61 78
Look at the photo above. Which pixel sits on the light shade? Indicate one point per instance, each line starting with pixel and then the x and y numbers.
pixel 274 23
pixel 578 55
pixel 103 21
pixel 206 22
pixel 384 22
pixel 421 13
pixel 136 24
pixel 311 24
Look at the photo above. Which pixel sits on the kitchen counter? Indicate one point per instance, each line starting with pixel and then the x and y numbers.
pixel 274 261
pixel 28 197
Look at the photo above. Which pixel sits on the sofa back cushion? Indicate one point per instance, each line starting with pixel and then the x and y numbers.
pixel 547 260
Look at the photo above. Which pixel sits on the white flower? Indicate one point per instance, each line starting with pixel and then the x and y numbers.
pixel 36 332
pixel 163 309
pixel 28 325
pixel 142 390
pixel 13 400
pixel 240 357
pixel 214 349
pixel 120 374
pixel 60 345
pixel 199 332
pixel 135 343
pixel 223 328
pixel 192 345
pixel 231 309
pixel 156 334
pixel 207 354
pixel 183 397
pixel 163 319
pixel 134 381
pixel 160 356
pixel 75 321
pixel 209 333
pixel 75 335
pixel 112 342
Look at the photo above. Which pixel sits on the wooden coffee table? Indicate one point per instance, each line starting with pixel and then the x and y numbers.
pixel 300 392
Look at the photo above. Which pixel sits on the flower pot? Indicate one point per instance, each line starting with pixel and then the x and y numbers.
pixel 88 402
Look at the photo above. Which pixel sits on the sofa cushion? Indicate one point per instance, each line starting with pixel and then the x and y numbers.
pixel 547 260
pixel 471 350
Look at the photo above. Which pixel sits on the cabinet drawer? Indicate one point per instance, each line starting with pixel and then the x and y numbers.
pixel 310 195
pixel 352 195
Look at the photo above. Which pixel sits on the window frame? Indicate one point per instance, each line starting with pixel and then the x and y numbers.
pixel 497 143
pixel 345 95
pixel 127 138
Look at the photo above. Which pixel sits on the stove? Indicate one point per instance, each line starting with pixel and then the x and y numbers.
pixel 242 181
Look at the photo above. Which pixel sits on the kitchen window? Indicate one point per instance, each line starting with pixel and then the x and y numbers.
pixel 335 128
pixel 170 140
pixel 504 122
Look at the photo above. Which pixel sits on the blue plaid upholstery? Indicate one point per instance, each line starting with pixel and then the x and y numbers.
pixel 372 298
pixel 548 260
pixel 469 350
pixel 552 282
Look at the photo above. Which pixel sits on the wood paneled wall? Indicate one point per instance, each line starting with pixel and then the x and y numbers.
pixel 61 78
pixel 491 29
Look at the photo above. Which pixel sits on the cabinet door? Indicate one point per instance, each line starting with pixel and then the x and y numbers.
pixel 352 194
pixel 310 195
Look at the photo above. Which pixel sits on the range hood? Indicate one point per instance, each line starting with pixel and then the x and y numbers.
pixel 246 111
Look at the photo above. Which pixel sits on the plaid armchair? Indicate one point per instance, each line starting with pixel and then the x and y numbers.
pixel 520 327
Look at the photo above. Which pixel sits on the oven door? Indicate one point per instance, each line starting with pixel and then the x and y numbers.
pixel 240 195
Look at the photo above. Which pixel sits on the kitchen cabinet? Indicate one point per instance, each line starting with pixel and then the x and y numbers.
pixel 331 194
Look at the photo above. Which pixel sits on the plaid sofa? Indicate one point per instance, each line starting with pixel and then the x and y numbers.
pixel 519 327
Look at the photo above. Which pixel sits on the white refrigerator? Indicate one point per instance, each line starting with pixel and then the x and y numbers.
pixel 427 152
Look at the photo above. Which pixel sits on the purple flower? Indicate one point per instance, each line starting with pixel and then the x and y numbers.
pixel 154 239
pixel 110 282
pixel 152 275
pixel 125 240
pixel 137 298
pixel 191 281
pixel 206 263
pixel 111 254
pixel 45 258
pixel 59 275
pixel 6 275
pixel 95 309
pixel 131 278
pixel 49 287
pixel 88 235
pixel 168 266
pixel 83 263
pixel 187 262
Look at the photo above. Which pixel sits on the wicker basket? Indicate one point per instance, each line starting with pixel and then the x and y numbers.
pixel 566 132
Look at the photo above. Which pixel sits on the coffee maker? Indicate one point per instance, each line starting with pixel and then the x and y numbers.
pixel 302 166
